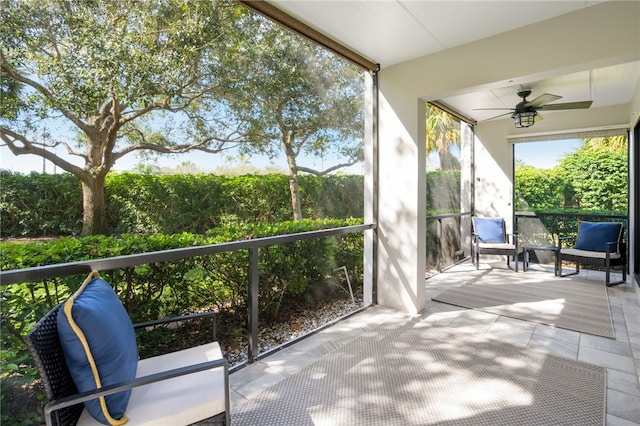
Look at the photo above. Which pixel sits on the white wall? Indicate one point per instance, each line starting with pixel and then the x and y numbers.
pixel 493 184
pixel 596 36
pixel 634 235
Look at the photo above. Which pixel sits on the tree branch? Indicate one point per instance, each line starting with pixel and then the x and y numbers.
pixel 11 72
pixel 327 171
pixel 165 104
pixel 178 149
pixel 10 138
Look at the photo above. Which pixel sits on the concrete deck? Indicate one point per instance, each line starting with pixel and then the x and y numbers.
pixel 621 356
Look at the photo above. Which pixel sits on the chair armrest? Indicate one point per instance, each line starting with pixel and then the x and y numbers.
pixel 153 323
pixel 622 244
pixel 175 319
pixel 130 384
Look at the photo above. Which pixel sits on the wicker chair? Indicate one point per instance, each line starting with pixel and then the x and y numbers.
pixel 593 247
pixel 490 237
pixel 65 404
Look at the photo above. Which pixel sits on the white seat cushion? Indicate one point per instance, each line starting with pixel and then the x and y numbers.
pixel 179 401
pixel 587 253
pixel 501 246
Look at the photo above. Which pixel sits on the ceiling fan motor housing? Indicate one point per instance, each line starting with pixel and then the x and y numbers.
pixel 525 113
pixel 524 93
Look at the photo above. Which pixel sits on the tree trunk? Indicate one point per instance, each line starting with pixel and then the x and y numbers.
pixel 294 187
pixel 296 204
pixel 94 216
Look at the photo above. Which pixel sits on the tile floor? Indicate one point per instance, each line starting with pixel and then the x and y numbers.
pixel 621 356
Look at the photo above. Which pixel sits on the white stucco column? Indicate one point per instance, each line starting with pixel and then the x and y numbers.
pixel 401 203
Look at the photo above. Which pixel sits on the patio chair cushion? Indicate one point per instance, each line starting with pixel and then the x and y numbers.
pixel 99 345
pixel 182 400
pixel 590 254
pixel 594 236
pixel 489 230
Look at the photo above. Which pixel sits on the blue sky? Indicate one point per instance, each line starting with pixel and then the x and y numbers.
pixel 204 162
pixel 544 155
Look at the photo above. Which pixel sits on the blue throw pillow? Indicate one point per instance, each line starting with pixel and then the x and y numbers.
pixel 593 236
pixel 489 230
pixel 99 345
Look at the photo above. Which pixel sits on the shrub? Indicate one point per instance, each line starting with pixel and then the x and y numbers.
pixel 218 281
pixel 37 205
pixel 51 205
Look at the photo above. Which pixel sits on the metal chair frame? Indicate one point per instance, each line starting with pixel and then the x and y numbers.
pixel 508 247
pixel 614 255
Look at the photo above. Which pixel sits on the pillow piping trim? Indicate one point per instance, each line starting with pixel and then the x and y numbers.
pixel 620 235
pixel 68 305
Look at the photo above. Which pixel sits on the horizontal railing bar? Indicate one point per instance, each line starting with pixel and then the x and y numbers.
pixel 39 273
pixel 446 215
pixel 589 215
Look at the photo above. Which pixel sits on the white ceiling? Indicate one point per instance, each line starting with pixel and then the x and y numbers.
pixel 385 31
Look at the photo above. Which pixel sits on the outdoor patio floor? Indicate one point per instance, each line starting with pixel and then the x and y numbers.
pixel 621 356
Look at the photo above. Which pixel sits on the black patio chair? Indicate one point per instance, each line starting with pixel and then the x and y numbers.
pixel 490 237
pixel 598 244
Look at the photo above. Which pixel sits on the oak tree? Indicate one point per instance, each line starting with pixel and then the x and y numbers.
pixel 297 99
pixel 104 79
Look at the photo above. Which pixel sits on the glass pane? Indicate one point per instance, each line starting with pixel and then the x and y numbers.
pixel 558 183
pixel 445 145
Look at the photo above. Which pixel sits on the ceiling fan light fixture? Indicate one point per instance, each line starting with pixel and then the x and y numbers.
pixel 524 119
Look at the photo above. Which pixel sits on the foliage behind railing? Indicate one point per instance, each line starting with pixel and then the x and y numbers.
pixel 150 290
pixel 445 240
pixel 545 227
pixel 167 275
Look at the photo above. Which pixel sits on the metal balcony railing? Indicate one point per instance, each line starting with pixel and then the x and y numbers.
pixel 545 228
pixel 447 240
pixel 42 273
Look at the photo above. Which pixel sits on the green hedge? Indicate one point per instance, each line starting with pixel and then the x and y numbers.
pixel 151 291
pixel 443 192
pixel 287 272
pixel 40 205
pixel 37 205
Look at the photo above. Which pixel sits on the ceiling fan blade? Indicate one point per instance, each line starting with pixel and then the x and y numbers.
pixel 494 109
pixel 497 116
pixel 567 105
pixel 543 99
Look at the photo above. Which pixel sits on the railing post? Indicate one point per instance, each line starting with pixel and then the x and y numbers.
pixel 253 303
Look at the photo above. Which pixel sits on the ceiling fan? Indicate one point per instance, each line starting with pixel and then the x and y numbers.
pixel 526 112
